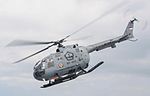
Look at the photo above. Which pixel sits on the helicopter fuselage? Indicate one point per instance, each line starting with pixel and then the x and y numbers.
pixel 67 60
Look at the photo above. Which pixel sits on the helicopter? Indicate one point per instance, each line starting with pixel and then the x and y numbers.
pixel 70 61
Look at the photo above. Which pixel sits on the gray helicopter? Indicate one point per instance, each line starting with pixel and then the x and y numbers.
pixel 69 62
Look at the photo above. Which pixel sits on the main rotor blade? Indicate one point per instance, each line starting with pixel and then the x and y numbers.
pixel 80 38
pixel 25 43
pixel 118 6
pixel 34 54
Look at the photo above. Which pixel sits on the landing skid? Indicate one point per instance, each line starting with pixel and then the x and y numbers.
pixel 60 80
pixel 71 76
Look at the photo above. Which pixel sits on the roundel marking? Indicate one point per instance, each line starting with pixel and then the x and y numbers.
pixel 69 56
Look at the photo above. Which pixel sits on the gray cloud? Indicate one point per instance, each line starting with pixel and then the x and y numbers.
pixel 126 68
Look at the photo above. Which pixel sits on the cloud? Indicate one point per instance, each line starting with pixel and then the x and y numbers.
pixel 126 68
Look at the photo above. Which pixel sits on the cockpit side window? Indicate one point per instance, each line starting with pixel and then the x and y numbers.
pixel 50 63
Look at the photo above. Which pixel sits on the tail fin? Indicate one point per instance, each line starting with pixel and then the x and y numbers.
pixel 129 30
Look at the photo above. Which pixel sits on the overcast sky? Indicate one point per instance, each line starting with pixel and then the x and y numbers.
pixel 126 71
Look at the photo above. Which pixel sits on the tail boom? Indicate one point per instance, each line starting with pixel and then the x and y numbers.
pixel 128 34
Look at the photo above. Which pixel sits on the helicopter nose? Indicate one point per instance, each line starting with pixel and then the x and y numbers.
pixel 38 75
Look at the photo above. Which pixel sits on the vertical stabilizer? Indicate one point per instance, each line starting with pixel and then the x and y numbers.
pixel 129 30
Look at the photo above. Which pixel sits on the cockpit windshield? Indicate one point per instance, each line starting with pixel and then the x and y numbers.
pixel 43 64
pixel 39 65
